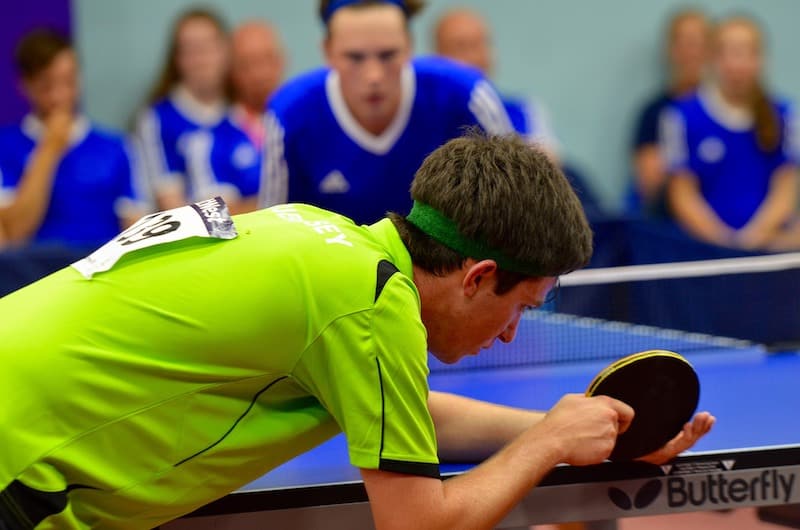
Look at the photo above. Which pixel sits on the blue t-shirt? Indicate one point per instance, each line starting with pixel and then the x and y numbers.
pixel 317 153
pixel 531 121
pixel 647 126
pixel 222 161
pixel 162 132
pixel 702 136
pixel 96 183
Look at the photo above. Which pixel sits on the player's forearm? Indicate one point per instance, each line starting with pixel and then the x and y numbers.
pixel 472 430
pixel 487 493
pixel 778 205
pixel 473 501
pixel 24 215
pixel 693 212
pixel 649 171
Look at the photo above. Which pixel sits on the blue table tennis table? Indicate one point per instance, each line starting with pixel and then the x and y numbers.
pixel 751 457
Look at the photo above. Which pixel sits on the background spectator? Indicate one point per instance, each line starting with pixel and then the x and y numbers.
pixel 225 160
pixel 349 138
pixel 257 68
pixel 189 94
pixel 733 179
pixel 687 43
pixel 62 179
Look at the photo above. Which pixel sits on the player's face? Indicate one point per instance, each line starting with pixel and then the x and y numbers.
pixel 202 55
pixel 738 59
pixel 55 87
pixel 369 47
pixel 477 319
pixel 256 66
pixel 688 51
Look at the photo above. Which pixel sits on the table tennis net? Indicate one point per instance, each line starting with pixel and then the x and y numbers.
pixel 710 306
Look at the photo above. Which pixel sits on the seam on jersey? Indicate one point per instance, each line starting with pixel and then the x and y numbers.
pixel 140 410
pixel 383 408
pixel 235 423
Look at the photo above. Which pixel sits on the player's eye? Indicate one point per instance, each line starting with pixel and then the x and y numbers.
pixel 387 56
pixel 355 57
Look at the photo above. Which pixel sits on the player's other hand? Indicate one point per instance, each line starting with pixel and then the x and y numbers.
pixel 58 126
pixel 586 428
pixel 691 432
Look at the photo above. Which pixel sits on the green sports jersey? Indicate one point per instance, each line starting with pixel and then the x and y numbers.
pixel 192 367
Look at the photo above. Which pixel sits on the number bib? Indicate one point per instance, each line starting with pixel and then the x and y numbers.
pixel 209 218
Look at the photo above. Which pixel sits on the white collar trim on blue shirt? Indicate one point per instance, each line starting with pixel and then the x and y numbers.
pixel 202 113
pixel 727 115
pixel 33 128
pixel 376 144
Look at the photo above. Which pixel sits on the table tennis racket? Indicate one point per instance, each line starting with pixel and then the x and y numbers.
pixel 663 390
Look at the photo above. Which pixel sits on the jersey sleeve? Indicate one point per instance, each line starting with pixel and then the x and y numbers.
pixel 648 126
pixel 274 188
pixel 6 191
pixel 135 198
pixel 673 142
pixel 375 384
pixel 539 129
pixel 791 139
pixel 487 108
pixel 160 172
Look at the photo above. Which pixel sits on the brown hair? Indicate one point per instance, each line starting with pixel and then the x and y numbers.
pixel 500 190
pixel 410 7
pixel 37 49
pixel 682 16
pixel 170 75
pixel 767 122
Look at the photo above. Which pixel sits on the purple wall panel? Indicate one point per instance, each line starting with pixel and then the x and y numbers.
pixel 18 18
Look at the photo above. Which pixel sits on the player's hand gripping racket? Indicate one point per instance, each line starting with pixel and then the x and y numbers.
pixel 663 390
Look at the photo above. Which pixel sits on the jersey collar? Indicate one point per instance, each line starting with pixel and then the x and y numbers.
pixel 386 234
pixel 194 109
pixel 33 128
pixel 376 144
pixel 733 118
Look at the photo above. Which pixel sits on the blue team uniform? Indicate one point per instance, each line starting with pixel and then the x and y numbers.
pixel 317 153
pixel 700 135
pixel 222 161
pixel 96 183
pixel 162 132
pixel 531 121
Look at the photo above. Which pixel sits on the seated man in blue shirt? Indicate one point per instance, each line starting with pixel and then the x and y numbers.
pixel 349 138
pixel 61 179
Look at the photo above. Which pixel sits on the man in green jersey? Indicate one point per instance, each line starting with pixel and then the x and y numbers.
pixel 196 352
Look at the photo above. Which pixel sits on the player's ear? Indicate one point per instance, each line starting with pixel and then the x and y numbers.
pixel 477 273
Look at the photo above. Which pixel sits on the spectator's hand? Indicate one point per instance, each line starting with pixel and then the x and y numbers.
pixel 587 428
pixel 691 433
pixel 57 129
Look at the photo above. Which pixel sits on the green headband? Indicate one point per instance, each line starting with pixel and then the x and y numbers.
pixel 444 230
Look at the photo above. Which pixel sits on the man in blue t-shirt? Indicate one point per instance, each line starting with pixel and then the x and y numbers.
pixel 349 138
pixel 62 180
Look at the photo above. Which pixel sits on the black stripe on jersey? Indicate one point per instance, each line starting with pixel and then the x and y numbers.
pixel 386 270
pixel 240 418
pixel 421 469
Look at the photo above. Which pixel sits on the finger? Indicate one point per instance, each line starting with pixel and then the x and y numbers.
pixel 624 412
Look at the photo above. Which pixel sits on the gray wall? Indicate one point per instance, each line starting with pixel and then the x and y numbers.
pixel 592 62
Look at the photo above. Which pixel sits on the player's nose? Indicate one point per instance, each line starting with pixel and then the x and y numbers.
pixel 510 332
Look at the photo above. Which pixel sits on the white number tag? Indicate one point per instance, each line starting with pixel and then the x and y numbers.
pixel 208 218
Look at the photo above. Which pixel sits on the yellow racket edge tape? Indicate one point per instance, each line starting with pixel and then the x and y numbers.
pixel 613 367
